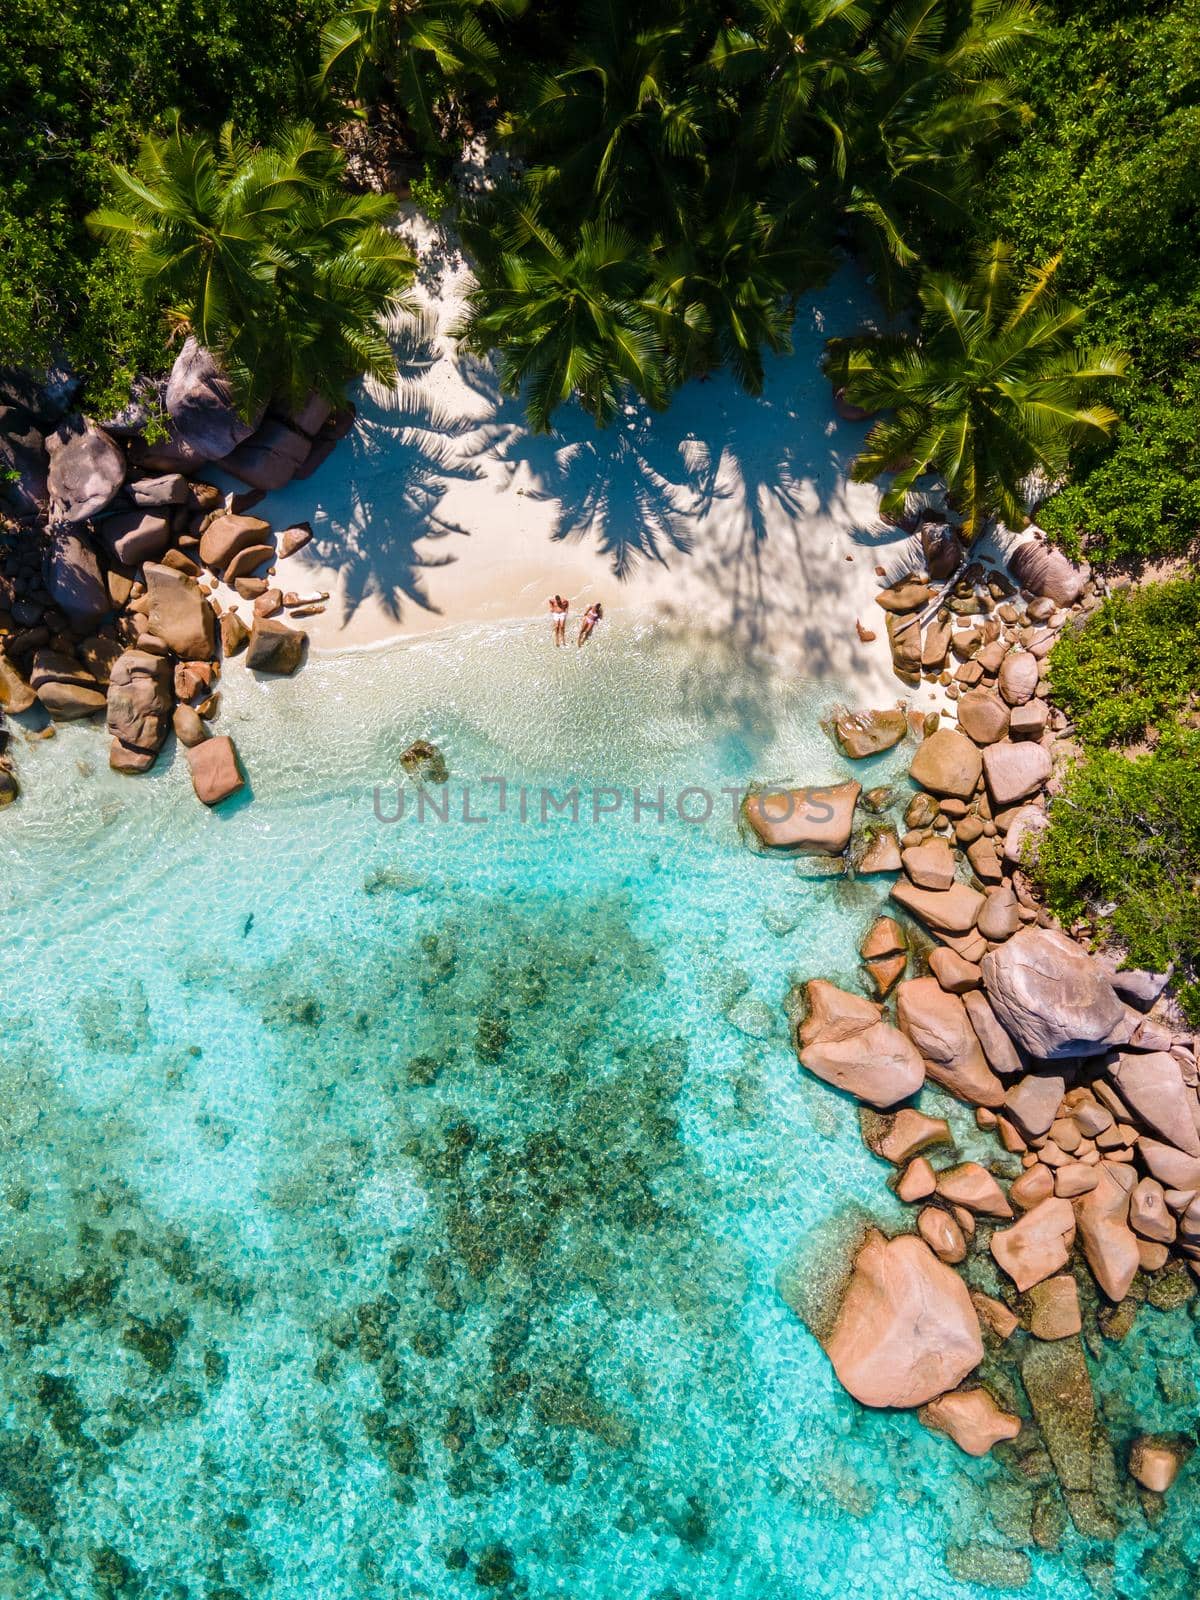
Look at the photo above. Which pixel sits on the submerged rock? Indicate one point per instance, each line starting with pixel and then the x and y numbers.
pixel 989 1566
pixel 425 763
pixel 1059 1387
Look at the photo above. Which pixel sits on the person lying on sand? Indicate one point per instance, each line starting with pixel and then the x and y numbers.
pixel 591 617
pixel 558 615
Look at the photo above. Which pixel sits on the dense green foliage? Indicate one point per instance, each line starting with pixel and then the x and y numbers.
pixel 263 254
pixel 993 386
pixel 1134 667
pixel 724 153
pixel 1123 846
pixel 1107 172
pixel 80 81
pixel 1123 850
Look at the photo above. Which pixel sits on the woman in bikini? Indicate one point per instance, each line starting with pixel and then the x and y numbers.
pixel 558 615
pixel 591 617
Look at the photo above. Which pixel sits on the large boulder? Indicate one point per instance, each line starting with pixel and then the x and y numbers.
pixel 136 536
pixel 16 695
pixel 971 1418
pixel 65 689
pixel 904 637
pixel 205 423
pixel 1052 997
pixel 812 821
pixel 947 763
pixel 1152 1087
pixel 973 1186
pixel 229 533
pixel 140 699
pixel 1001 1052
pixel 900 1135
pixel 1110 1245
pixel 270 458
pixel 170 489
pixel 938 1025
pixel 1018 677
pixel 844 1041
pixel 1032 1104
pixel 983 716
pixel 906 1330
pixel 73 578
pixel 274 647
pixel 1023 836
pixel 213 764
pixel 179 613
pixel 1038 1244
pixel 951 911
pixel 1015 771
pixel 929 865
pixel 867 733
pixel 1171 1167
pixel 23 462
pixel 86 471
pixel 1043 570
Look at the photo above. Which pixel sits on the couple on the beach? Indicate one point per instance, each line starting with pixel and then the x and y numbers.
pixel 559 609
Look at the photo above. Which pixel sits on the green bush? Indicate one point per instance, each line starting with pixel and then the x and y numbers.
pixel 80 80
pixel 1106 171
pixel 1123 849
pixel 1134 666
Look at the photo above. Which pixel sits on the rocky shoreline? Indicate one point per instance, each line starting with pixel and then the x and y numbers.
pixel 128 581
pixel 978 1318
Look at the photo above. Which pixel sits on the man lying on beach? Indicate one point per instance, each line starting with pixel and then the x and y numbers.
pixel 558 615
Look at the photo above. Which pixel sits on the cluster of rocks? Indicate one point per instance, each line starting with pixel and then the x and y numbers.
pixel 1072 1064
pixel 123 574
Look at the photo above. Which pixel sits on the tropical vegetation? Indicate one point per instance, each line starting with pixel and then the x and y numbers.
pixel 993 387
pixel 262 253
pixel 1122 852
pixel 680 174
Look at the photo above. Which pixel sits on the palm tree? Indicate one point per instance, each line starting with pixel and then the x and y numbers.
pixel 799 59
pixel 878 108
pixel 417 48
pixel 569 316
pixel 264 257
pixel 992 387
pixel 724 291
pixel 934 89
pixel 621 131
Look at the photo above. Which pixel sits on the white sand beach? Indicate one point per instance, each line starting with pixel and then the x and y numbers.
pixel 727 513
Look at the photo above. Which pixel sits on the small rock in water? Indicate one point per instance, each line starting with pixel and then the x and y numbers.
pixel 392 880
pixel 779 920
pixel 425 763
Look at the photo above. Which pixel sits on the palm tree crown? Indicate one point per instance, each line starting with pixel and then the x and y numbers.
pixel 992 387
pixel 568 316
pixel 262 255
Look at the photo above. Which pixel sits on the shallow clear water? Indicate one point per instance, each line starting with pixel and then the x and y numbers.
pixel 395 1208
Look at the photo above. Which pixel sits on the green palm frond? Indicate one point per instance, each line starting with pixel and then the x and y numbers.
pixel 992 387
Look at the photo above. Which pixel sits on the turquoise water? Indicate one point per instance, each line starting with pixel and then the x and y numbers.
pixel 394 1209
